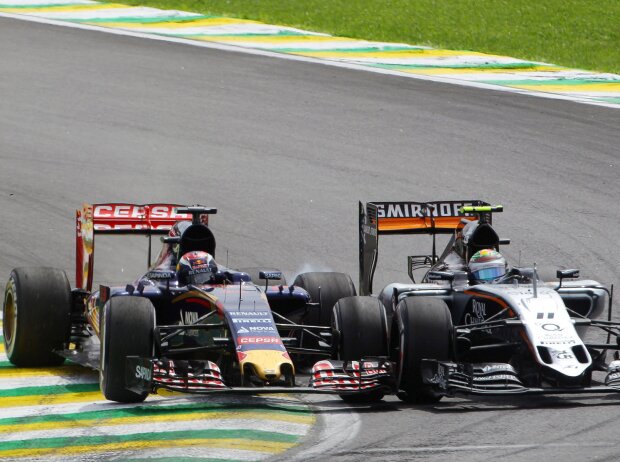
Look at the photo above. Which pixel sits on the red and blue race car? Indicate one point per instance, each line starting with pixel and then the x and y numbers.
pixel 191 324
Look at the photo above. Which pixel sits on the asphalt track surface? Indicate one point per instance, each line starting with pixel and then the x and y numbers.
pixel 285 150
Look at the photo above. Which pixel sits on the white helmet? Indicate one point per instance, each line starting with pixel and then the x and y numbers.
pixel 487 265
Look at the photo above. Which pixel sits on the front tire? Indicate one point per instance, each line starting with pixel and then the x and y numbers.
pixel 127 325
pixel 422 330
pixel 36 316
pixel 360 326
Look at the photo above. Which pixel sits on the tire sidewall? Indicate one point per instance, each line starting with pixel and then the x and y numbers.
pixel 116 344
pixel 10 340
pixel 40 324
pixel 408 325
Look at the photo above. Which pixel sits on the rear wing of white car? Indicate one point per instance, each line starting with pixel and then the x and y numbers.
pixel 438 217
pixel 122 218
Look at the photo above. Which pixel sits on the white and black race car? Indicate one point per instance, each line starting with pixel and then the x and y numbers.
pixel 449 333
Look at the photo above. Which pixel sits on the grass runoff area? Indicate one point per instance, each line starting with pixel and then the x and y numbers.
pixel 581 34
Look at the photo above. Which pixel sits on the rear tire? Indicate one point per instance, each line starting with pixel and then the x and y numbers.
pixel 36 316
pixel 362 326
pixel 422 329
pixel 253 273
pixel 127 325
pixel 325 288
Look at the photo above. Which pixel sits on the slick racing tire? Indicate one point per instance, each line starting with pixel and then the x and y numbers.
pixel 359 329
pixel 37 316
pixel 422 329
pixel 127 325
pixel 254 271
pixel 325 288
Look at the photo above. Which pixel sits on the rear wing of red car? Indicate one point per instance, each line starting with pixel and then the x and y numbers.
pixel 377 218
pixel 119 218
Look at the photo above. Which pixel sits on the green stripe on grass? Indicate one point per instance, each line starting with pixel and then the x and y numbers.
pixel 377 49
pixel 142 20
pixel 533 83
pixel 281 33
pixel 152 411
pixel 404 67
pixel 50 390
pixel 244 434
pixel 43 5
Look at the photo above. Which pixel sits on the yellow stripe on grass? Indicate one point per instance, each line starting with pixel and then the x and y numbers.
pixel 223 443
pixel 478 70
pixel 389 54
pixel 62 371
pixel 208 22
pixel 2 347
pixel 272 39
pixel 170 417
pixel 45 400
pixel 62 9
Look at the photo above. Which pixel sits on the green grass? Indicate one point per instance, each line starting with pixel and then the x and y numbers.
pixel 575 33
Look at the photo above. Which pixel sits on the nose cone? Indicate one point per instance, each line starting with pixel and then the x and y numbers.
pixel 267 364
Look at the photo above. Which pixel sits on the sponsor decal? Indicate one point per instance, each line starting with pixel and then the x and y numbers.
pixel 371 230
pixel 478 314
pixel 551 327
pixel 143 373
pixel 272 274
pixel 252 321
pixel 490 378
pixel 439 378
pixel 419 210
pixel 261 329
pixel 243 330
pixel 497 368
pixel 558 342
pixel 137 217
pixel 137 211
pixel 562 354
pixel 242 314
pixel 190 317
pixel 159 275
pixel 613 376
pixel 247 340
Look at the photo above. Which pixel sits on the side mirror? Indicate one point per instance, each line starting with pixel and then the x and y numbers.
pixel 504 241
pixel 440 276
pixel 568 273
pixel 267 275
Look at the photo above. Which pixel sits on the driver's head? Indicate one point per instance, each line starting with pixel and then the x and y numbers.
pixel 196 268
pixel 487 265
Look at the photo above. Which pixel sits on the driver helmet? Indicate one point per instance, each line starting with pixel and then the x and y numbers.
pixel 196 267
pixel 487 265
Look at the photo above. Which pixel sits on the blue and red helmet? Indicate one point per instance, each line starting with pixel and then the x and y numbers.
pixel 196 267
pixel 487 265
